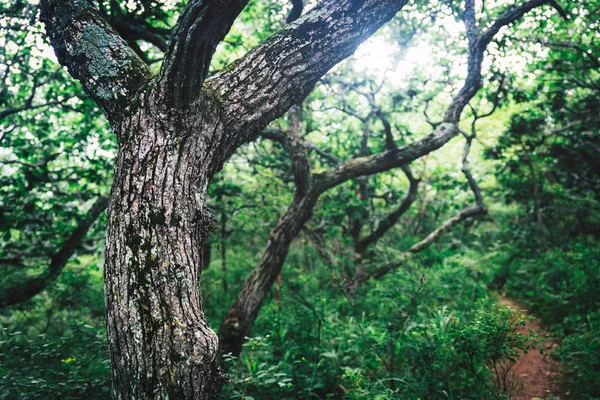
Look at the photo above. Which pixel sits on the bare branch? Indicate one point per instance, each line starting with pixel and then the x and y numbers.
pixel 286 67
pixel 298 152
pixel 280 137
pixel 567 45
pixel 478 209
pixel 508 17
pixel 387 160
pixel 297 6
pixel 429 121
pixel 391 219
pixel 446 227
pixel 561 11
pixel 467 172
pixel 273 134
pixel 477 45
pixel 328 258
pixel 25 107
pixel 327 156
pixel 129 30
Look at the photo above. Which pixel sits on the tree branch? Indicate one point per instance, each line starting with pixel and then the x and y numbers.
pixel 298 152
pixel 467 172
pixel 15 110
pixel 390 220
pixel 327 156
pixel 110 71
pixel 328 258
pixel 297 6
pixel 280 137
pixel 285 68
pixel 446 227
pixel 444 131
pixel 509 17
pixel 130 30
pixel 23 293
pixel 279 73
pixel 387 160
pixel 561 11
pixel 200 28
pixel 463 215
pixel 568 45
pixel 273 134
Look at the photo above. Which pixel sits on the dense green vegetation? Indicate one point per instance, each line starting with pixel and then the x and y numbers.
pixel 429 327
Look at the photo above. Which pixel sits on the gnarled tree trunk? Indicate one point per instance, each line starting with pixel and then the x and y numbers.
pixel 160 342
pixel 175 130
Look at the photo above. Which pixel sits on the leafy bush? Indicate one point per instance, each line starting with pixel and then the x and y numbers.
pixel 491 340
pixel 72 366
pixel 580 357
pixel 406 336
pixel 55 346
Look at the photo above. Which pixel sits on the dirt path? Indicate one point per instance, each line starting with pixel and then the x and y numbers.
pixel 537 371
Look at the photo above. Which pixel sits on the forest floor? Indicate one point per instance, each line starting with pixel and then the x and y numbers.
pixel 536 371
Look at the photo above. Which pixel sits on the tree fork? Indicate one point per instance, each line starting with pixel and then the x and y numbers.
pixel 175 131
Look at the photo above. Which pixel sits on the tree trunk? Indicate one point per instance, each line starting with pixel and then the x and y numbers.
pixel 239 319
pixel 161 345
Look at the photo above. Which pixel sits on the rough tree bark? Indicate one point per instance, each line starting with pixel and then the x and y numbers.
pixel 240 317
pixel 175 130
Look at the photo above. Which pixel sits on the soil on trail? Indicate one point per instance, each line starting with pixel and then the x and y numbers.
pixel 536 371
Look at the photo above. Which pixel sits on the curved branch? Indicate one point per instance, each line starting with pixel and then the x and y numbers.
pixel 279 73
pixel 297 6
pixel 273 134
pixel 25 107
pixel 477 46
pixel 510 16
pixel 391 219
pixel 568 45
pixel 201 27
pixel 110 71
pixel 131 30
pixel 280 137
pixel 298 152
pixel 446 227
pixel 387 160
pixel 286 67
pixel 322 153
pixel 467 172
pixel 31 288
pixel 467 213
